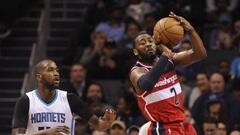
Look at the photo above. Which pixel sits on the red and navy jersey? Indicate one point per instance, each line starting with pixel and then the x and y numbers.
pixel 164 103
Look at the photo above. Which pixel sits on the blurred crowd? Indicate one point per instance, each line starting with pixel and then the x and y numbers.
pixel 101 49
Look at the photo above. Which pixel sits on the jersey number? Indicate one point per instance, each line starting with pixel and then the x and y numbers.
pixel 176 102
pixel 42 128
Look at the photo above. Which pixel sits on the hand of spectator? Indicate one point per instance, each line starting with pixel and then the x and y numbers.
pixel 110 63
pixel 183 22
pixel 102 61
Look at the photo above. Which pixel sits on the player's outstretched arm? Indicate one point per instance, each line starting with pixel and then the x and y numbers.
pixel 103 123
pixel 197 53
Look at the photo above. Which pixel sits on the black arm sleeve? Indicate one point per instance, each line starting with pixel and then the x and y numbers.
pixel 147 81
pixel 79 107
pixel 20 115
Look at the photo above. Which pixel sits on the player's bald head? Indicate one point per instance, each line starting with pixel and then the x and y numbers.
pixel 40 66
pixel 139 37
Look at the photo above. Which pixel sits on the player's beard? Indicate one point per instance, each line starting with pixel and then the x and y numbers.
pixel 51 86
pixel 148 57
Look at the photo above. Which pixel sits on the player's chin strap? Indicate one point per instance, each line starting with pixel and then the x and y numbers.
pixel 147 81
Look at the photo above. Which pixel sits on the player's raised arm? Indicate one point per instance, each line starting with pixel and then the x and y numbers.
pixel 197 53
pixel 80 108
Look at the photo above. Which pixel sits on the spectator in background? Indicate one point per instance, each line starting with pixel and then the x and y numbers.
pixel 236 88
pixel 149 22
pixel 217 89
pixel 81 126
pixel 98 12
pixel 202 87
pixel 188 116
pixel 215 109
pixel 114 27
pixel 189 71
pixel 235 66
pixel 220 38
pixel 95 99
pixel 131 31
pixel 125 111
pixel 98 40
pixel 220 6
pixel 186 90
pixel 118 128
pixel 209 126
pixel 108 64
pixel 224 69
pixel 77 83
pixel 235 132
pixel 133 130
pixel 236 35
pixel 221 129
pixel 137 9
pixel 96 132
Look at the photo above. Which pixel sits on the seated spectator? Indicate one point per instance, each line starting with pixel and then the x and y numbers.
pixel 133 130
pixel 98 12
pixel 118 128
pixel 221 129
pixel 77 83
pixel 224 69
pixel 149 22
pixel 220 38
pixel 215 109
pixel 137 9
pixel 236 88
pixel 96 132
pixel 202 87
pixel 235 67
pixel 188 116
pixel 98 40
pixel 186 90
pixel 81 126
pixel 126 113
pixel 95 99
pixel 209 126
pixel 217 89
pixel 114 28
pixel 191 70
pixel 131 31
pixel 236 35
pixel 107 65
pixel 235 132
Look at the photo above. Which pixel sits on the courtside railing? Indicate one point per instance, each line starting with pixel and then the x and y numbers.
pixel 38 51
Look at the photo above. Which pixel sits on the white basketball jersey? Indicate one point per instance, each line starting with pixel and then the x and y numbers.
pixel 42 116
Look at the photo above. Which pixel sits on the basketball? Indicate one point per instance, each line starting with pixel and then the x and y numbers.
pixel 168 31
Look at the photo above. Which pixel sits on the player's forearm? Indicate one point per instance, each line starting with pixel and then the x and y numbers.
pixel 199 52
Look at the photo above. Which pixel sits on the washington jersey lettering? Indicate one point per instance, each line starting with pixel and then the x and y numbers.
pixel 43 116
pixel 164 103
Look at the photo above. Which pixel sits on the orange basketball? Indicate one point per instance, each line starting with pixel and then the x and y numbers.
pixel 168 31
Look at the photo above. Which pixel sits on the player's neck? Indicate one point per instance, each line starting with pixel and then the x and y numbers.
pixel 149 62
pixel 45 93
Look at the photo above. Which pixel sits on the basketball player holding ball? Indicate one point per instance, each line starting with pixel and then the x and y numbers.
pixel 156 84
pixel 48 110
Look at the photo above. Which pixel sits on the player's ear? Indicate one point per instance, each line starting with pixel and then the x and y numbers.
pixel 135 52
pixel 38 76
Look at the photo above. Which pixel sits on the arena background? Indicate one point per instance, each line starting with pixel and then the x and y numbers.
pixel 72 31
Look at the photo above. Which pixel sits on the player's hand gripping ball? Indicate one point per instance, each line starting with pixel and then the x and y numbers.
pixel 169 30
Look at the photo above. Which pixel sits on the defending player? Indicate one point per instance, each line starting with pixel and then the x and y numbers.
pixel 156 84
pixel 48 110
